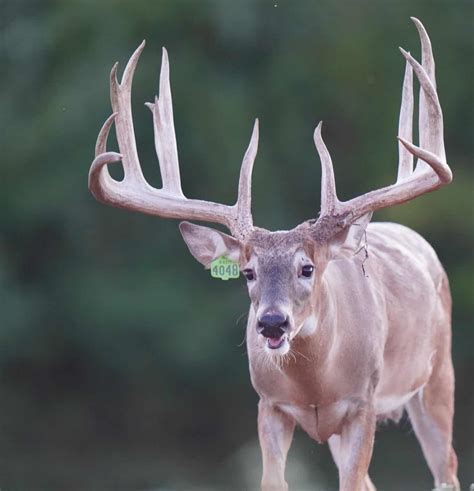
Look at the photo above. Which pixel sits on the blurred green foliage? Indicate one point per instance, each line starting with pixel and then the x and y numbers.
pixel 121 363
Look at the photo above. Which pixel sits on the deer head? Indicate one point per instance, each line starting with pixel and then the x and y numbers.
pixel 284 269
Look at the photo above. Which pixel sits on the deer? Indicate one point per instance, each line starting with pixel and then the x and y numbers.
pixel 349 321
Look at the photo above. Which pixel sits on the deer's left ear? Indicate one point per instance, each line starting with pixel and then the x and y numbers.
pixel 347 242
pixel 207 244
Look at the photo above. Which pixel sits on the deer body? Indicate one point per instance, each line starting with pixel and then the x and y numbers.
pixel 376 338
pixel 349 321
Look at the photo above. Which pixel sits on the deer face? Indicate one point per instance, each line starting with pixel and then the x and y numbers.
pixel 284 271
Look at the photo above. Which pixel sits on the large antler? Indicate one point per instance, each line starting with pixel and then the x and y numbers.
pixel 431 170
pixel 134 193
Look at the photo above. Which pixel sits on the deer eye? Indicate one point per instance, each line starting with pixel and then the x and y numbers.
pixel 307 270
pixel 249 274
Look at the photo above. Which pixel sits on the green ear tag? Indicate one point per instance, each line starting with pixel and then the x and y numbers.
pixel 224 268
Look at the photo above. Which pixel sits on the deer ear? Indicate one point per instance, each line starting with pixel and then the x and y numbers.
pixel 347 242
pixel 207 244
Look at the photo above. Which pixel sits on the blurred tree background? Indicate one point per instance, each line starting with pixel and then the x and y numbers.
pixel 121 359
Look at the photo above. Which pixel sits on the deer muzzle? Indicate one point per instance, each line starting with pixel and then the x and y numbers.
pixel 274 326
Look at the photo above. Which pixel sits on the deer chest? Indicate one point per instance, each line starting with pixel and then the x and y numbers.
pixel 319 422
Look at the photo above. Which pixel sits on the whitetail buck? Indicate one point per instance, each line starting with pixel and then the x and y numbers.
pixel 349 323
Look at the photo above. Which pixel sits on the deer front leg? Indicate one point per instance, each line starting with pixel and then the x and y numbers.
pixel 275 431
pixel 355 449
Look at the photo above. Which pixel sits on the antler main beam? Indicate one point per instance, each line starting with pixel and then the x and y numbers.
pixel 134 193
pixel 431 171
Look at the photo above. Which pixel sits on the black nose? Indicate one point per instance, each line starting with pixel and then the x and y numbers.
pixel 272 324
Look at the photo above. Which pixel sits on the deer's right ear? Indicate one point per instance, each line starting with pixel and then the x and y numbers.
pixel 207 244
pixel 348 242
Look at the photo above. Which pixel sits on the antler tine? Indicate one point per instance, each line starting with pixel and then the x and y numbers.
pixel 427 58
pixel 405 125
pixel 134 193
pixel 99 177
pixel 431 140
pixel 244 199
pixel 165 136
pixel 120 96
pixel 329 201
pixel 430 127
pixel 427 61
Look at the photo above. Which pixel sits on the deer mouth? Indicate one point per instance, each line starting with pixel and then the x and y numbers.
pixel 276 342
